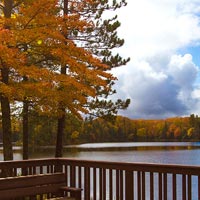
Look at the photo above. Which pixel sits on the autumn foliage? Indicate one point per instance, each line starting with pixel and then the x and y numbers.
pixel 43 130
pixel 34 46
pixel 55 58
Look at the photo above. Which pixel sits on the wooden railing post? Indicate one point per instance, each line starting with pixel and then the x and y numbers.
pixel 58 168
pixel 165 186
pixel 199 187
pixel 151 186
pixel 87 183
pixel 139 194
pixel 174 183
pixel 129 185
pixel 160 185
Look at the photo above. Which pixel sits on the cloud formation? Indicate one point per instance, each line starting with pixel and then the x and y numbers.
pixel 161 91
pixel 160 81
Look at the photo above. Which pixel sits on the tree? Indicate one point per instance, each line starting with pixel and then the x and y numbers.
pixel 74 136
pixel 15 43
pixel 5 103
pixel 98 39
pixel 195 123
pixel 142 133
pixel 190 132
pixel 177 132
pixel 35 48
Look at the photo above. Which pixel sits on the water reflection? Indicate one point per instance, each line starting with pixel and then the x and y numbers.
pixel 172 153
pixel 156 152
pixel 16 156
pixel 135 145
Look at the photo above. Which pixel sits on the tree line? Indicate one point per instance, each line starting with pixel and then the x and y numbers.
pixel 121 129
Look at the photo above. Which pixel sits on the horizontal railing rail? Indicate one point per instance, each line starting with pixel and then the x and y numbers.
pixel 27 167
pixel 103 180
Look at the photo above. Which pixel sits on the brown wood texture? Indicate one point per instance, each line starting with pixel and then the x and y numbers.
pixel 29 185
pixel 112 180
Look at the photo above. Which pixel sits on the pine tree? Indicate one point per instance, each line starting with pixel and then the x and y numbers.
pixel 99 39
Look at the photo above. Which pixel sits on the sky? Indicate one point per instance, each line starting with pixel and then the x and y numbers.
pixel 162 38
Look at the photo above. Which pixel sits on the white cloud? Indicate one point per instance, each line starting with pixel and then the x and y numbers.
pixel 159 81
pixel 183 71
pixel 153 26
pixel 157 92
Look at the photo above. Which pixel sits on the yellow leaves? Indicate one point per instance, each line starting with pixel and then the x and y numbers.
pixel 190 132
pixel 39 42
pixel 75 135
pixel 14 16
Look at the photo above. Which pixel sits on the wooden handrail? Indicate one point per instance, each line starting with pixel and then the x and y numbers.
pixel 152 167
pixel 116 180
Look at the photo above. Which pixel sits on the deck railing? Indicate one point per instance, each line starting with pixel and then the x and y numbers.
pixel 103 180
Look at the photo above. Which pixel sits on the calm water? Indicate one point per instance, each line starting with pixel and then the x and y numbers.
pixel 172 153
pixel 156 152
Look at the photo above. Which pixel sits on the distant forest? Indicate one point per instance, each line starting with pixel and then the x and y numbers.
pixel 121 129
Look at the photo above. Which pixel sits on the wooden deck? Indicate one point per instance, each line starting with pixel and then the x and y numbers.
pixel 102 180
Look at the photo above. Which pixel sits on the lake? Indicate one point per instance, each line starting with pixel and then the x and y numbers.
pixel 156 152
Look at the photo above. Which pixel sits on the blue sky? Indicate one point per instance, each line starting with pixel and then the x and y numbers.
pixel 163 41
pixel 194 51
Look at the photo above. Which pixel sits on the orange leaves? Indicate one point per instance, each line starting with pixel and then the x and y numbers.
pixel 36 47
pixel 6 90
pixel 36 13
pixel 8 57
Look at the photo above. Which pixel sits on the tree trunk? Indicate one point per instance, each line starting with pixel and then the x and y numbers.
pixel 6 119
pixel 66 7
pixel 6 126
pixel 5 103
pixel 60 133
pixel 25 130
pixel 61 125
pixel 61 120
pixel 8 6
